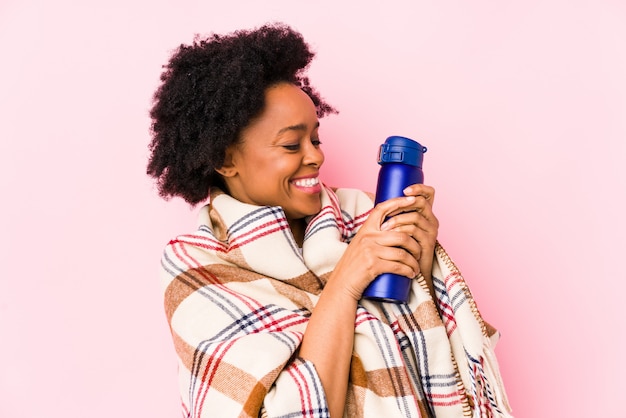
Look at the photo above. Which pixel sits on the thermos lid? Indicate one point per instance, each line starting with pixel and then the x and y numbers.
pixel 398 149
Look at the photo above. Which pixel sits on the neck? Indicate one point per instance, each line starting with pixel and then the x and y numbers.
pixel 298 227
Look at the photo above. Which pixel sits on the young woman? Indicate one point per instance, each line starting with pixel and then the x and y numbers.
pixel 264 298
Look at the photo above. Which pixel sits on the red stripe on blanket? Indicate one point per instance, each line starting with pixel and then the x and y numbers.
pixel 281 221
pixel 281 324
pixel 326 210
pixel 212 280
pixel 363 316
pixel 197 241
pixel 206 384
pixel 457 402
pixel 334 210
pixel 447 315
pixel 452 279
pixel 305 393
pixel 267 232
pixel 180 251
pixel 438 399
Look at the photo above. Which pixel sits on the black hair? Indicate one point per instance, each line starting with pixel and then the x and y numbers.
pixel 210 91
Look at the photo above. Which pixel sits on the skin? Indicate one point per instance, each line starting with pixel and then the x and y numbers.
pixel 279 149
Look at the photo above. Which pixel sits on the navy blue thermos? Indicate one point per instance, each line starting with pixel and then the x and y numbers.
pixel 401 165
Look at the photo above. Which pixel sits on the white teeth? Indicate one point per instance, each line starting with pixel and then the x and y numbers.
pixel 310 182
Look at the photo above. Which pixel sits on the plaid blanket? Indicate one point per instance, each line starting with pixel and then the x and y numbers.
pixel 238 295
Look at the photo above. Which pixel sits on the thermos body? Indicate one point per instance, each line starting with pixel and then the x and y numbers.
pixel 394 178
pixel 401 165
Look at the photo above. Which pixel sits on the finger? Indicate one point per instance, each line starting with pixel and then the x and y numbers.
pixel 422 241
pixel 427 192
pixel 396 260
pixel 422 205
pixel 401 240
pixel 423 232
pixel 390 207
pixel 422 218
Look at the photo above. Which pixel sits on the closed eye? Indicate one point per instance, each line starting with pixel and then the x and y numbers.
pixel 295 147
pixel 291 147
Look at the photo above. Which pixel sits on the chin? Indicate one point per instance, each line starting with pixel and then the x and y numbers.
pixel 301 214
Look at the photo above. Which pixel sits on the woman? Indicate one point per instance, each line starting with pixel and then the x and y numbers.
pixel 264 299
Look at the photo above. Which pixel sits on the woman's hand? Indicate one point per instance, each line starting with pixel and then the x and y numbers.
pixel 422 225
pixel 403 244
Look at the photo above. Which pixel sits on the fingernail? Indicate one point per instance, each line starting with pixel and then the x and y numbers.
pixel 410 199
pixel 407 190
pixel 384 226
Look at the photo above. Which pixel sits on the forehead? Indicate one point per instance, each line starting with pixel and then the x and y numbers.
pixel 288 100
pixel 286 105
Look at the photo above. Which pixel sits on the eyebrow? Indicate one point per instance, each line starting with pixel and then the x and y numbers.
pixel 298 127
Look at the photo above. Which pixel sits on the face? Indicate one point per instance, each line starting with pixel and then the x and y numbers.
pixel 277 161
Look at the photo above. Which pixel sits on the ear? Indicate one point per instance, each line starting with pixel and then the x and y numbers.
pixel 228 168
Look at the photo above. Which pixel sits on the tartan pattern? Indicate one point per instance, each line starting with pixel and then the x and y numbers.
pixel 238 295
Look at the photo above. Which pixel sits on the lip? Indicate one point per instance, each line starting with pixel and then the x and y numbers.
pixel 317 188
pixel 310 176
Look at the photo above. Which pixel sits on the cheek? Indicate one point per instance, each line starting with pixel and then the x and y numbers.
pixel 285 168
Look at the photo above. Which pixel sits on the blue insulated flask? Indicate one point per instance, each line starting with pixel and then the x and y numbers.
pixel 401 165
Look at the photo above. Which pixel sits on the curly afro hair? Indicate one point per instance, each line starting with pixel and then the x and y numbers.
pixel 210 91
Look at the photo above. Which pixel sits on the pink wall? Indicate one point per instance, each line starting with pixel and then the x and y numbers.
pixel 522 106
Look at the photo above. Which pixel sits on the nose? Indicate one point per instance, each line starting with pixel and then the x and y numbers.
pixel 313 155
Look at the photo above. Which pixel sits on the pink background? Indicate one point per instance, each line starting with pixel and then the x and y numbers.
pixel 521 104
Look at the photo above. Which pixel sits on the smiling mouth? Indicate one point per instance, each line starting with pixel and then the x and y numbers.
pixel 308 182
